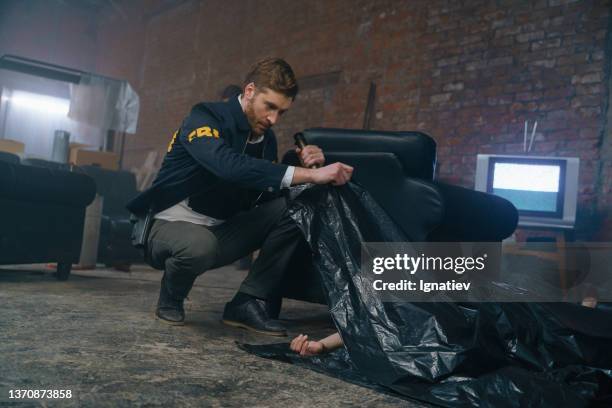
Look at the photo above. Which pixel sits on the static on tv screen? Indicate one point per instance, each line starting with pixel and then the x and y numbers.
pixel 532 187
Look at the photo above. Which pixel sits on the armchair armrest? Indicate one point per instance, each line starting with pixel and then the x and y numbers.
pixel 473 216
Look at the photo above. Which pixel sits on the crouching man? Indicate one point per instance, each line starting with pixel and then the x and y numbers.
pixel 215 198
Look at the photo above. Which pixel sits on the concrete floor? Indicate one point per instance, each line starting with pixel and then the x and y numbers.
pixel 95 334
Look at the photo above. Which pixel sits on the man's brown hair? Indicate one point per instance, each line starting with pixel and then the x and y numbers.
pixel 275 74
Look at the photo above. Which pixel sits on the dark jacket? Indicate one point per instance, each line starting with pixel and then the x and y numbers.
pixel 206 163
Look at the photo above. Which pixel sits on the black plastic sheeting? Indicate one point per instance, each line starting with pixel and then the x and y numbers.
pixel 449 354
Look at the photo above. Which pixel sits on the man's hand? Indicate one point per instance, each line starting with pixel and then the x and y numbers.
pixel 310 156
pixel 304 347
pixel 337 174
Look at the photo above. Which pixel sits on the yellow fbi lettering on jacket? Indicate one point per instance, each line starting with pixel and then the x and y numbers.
pixel 199 132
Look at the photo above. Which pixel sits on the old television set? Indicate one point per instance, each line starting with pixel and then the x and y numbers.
pixel 544 190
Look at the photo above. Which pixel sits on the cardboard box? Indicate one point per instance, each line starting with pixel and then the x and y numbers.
pixel 11 146
pixel 80 157
pixel 74 145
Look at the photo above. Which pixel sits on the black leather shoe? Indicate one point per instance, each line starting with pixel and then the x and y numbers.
pixel 251 315
pixel 273 307
pixel 169 309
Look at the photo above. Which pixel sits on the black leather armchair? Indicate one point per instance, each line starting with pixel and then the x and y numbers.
pixel 117 187
pixel 397 168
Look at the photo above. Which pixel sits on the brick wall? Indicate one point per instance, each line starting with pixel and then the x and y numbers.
pixel 468 73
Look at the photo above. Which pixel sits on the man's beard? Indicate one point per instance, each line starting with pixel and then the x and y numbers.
pixel 249 111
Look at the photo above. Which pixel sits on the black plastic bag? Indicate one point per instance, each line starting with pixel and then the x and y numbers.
pixel 450 354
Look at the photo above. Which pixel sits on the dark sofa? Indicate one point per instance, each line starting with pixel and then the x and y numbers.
pixel 42 212
pixel 116 187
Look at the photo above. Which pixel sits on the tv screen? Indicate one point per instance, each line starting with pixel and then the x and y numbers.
pixel 535 187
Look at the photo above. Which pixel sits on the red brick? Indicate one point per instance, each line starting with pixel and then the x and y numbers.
pixel 587 78
pixel 591 89
pixel 550 43
pixel 589 133
pixel 588 100
pixel 590 113
pixel 561 134
pixel 527 37
pixel 554 104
